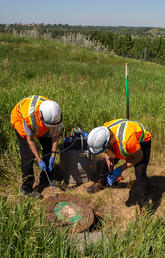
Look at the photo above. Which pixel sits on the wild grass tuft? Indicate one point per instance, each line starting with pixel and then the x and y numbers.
pixel 24 233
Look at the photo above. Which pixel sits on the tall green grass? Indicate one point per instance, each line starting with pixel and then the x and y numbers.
pixel 90 88
pixel 24 233
pixel 143 238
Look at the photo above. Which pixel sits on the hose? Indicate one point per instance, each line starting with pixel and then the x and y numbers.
pixel 67 148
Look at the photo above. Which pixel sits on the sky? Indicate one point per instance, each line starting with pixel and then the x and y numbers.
pixel 132 13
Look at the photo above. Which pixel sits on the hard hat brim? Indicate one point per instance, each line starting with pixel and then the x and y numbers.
pixel 96 151
pixel 53 124
pixel 50 126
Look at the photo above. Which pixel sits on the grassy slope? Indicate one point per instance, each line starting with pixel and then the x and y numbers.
pixel 89 86
pixel 83 82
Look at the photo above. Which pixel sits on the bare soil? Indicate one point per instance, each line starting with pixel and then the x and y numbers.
pixel 119 204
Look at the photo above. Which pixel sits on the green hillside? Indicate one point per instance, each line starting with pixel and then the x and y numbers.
pixel 90 88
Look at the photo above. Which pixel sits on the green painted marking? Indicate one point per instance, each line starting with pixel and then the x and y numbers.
pixel 127 90
pixel 58 211
pixel 75 218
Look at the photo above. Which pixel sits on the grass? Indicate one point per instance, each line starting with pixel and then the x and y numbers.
pixel 90 88
pixel 24 233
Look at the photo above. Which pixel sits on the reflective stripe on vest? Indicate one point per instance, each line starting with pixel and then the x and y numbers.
pixel 120 134
pixel 142 137
pixel 31 112
pixel 117 122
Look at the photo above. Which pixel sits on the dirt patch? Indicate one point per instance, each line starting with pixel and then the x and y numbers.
pixel 3 43
pixel 119 204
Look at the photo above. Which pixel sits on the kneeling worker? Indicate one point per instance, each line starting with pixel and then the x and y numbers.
pixel 33 117
pixel 122 139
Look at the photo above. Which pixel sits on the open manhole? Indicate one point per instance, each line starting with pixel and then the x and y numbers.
pixel 69 210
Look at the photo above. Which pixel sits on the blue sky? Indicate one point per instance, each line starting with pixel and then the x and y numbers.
pixel 85 12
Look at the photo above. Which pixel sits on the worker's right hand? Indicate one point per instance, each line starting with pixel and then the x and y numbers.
pixel 42 165
pixel 51 162
pixel 113 176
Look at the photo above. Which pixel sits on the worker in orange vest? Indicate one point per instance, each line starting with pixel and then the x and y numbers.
pixel 36 117
pixel 122 139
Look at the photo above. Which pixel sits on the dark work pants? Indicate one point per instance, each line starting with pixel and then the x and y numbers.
pixel 27 160
pixel 142 182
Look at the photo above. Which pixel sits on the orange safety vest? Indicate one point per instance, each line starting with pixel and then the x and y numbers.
pixel 122 130
pixel 28 109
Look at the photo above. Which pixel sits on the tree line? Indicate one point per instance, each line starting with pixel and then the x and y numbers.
pixel 144 43
pixel 137 47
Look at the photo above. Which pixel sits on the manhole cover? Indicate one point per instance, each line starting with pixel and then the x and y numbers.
pixel 69 210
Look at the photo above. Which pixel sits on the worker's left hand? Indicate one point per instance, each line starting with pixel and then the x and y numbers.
pixel 112 177
pixel 51 162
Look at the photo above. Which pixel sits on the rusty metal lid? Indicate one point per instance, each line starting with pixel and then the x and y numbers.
pixel 69 210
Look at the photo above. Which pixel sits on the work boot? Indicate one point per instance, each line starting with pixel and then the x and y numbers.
pixel 32 194
pixel 96 187
pixel 36 195
pixel 26 190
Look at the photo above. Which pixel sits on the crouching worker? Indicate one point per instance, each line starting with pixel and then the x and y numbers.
pixel 36 117
pixel 122 139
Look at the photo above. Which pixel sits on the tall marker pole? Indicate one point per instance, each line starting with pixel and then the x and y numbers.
pixel 127 90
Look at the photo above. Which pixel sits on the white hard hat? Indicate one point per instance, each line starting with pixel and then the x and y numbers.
pixel 98 139
pixel 50 113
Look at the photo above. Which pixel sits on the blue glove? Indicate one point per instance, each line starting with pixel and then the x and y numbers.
pixel 42 165
pixel 51 162
pixel 112 177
